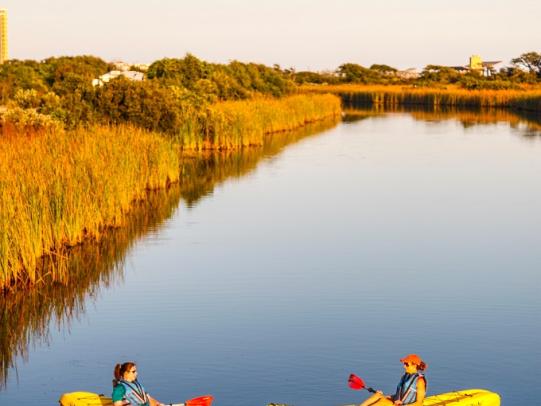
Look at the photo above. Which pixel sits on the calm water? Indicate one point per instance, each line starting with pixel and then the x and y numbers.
pixel 274 277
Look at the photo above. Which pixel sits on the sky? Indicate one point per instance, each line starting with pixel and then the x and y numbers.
pixel 302 34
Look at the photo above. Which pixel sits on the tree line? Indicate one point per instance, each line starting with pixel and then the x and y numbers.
pixel 524 70
pixel 62 89
pixel 177 91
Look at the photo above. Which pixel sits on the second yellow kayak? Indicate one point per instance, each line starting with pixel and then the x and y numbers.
pixel 468 397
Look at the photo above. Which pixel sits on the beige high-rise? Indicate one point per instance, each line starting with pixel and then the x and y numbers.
pixel 4 56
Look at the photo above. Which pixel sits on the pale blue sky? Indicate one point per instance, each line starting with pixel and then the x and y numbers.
pixel 312 34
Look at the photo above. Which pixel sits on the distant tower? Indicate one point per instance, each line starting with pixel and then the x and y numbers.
pixel 476 63
pixel 3 36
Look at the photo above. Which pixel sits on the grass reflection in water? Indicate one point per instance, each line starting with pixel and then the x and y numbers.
pixel 69 281
pixel 528 123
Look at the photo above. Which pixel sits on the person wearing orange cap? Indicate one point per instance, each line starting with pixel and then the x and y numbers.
pixel 411 389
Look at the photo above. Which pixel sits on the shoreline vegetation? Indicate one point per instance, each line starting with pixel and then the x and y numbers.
pixel 99 264
pixel 60 187
pixel 74 156
pixel 450 96
pixel 476 85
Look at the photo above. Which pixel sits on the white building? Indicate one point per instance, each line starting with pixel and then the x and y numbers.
pixel 411 73
pixel 128 74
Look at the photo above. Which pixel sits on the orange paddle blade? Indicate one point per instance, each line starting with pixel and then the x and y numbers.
pixel 200 401
pixel 355 382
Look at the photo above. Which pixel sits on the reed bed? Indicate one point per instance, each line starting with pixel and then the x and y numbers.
pixel 58 188
pixel 236 124
pixel 88 268
pixel 436 97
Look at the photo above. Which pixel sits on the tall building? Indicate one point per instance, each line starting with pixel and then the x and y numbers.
pixel 3 35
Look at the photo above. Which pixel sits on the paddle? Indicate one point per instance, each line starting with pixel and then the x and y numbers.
pixel 199 401
pixel 357 383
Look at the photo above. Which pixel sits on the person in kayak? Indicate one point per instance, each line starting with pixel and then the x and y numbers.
pixel 411 389
pixel 127 390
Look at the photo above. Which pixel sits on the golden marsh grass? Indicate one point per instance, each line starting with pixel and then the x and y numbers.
pixel 528 99
pixel 236 124
pixel 96 265
pixel 58 188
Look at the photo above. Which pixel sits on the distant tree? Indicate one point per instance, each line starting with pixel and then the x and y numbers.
pixel 16 74
pixel 384 69
pixel 85 67
pixel 180 72
pixel 353 73
pixel 531 61
pixel 227 86
pixel 310 77
pixel 350 72
pixel 516 75
pixel 439 74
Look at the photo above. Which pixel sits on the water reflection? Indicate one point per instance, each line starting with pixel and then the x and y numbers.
pixel 73 279
pixel 201 172
pixel 528 123
pixel 69 280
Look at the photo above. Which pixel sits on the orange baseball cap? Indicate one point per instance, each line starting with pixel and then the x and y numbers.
pixel 413 359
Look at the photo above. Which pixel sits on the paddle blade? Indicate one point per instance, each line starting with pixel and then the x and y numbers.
pixel 355 382
pixel 200 401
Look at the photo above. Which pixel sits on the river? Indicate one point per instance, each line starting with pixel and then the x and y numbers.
pixel 270 275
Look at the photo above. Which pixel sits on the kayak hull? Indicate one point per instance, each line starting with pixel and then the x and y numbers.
pixel 468 397
pixel 84 399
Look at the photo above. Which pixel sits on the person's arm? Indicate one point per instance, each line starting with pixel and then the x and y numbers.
pixel 118 395
pixel 153 402
pixel 421 392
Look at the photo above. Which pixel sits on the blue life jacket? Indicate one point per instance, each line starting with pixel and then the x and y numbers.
pixel 406 391
pixel 135 393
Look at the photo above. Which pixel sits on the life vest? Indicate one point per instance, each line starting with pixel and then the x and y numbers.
pixel 406 391
pixel 135 393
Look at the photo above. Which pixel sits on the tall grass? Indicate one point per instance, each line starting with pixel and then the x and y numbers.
pixel 236 124
pixel 88 268
pixel 427 96
pixel 58 188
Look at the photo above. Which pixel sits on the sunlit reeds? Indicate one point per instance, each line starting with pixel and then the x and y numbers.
pixel 58 188
pixel 237 124
pixel 429 96
pixel 82 271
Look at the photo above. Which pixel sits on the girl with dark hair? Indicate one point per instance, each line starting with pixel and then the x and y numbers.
pixel 411 389
pixel 127 390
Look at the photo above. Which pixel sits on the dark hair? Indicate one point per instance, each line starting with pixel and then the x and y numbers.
pixel 422 366
pixel 119 371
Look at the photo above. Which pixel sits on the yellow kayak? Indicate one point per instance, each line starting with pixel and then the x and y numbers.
pixel 469 397
pixel 94 399
pixel 84 399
